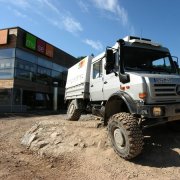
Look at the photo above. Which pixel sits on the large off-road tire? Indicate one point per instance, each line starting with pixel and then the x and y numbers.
pixel 73 113
pixel 126 135
pixel 174 126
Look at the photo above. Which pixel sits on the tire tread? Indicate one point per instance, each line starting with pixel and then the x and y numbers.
pixel 134 133
pixel 76 114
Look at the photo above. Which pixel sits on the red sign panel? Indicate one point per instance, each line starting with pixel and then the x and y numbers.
pixel 49 50
pixel 3 36
pixel 41 46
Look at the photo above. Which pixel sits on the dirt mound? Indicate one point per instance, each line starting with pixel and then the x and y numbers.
pixel 56 138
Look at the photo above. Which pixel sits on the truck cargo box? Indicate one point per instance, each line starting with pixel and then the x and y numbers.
pixel 77 84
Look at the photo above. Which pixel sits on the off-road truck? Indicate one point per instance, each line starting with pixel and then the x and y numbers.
pixel 132 85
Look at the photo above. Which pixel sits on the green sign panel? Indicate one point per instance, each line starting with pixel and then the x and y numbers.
pixel 30 41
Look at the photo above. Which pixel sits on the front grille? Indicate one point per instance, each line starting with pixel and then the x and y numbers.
pixel 165 90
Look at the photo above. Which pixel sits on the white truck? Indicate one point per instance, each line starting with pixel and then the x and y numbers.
pixel 133 85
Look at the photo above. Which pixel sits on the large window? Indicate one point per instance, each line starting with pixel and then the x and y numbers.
pixel 24 65
pixel 25 70
pixel 59 74
pixel 7 53
pixel 59 68
pixel 59 77
pixel 31 67
pixel 7 63
pixel 26 75
pixel 43 75
pixel 6 73
pixel 6 68
pixel 45 63
pixel 56 75
pixel 26 56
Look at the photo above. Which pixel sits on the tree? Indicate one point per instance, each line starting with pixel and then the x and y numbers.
pixel 80 58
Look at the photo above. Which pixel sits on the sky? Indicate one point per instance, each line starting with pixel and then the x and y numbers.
pixel 85 27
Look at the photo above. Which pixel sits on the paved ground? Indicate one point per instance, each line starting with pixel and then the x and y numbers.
pixel 86 153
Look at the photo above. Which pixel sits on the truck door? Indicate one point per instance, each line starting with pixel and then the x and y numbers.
pixel 111 82
pixel 96 83
pixel 111 85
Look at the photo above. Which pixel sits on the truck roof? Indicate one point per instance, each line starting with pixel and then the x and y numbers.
pixel 144 43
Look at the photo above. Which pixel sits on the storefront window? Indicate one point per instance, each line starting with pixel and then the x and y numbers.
pixel 45 63
pixel 64 75
pixel 7 63
pixel 45 71
pixel 5 96
pixel 6 68
pixel 59 68
pixel 6 73
pixel 7 53
pixel 60 77
pixel 24 65
pixel 26 56
pixel 44 75
pixel 26 75
pixel 56 75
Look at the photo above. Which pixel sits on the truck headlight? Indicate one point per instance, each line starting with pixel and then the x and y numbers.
pixel 158 111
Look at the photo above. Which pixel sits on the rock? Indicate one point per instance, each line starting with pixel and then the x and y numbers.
pixel 80 140
pixel 54 135
pixel 99 125
pixel 58 141
pixel 50 166
pixel 82 145
pixel 34 128
pixel 91 143
pixel 43 144
pixel 101 144
pixel 132 176
pixel 75 144
pixel 28 139
pixel 41 153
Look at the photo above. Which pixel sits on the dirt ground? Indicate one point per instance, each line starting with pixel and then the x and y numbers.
pixel 79 150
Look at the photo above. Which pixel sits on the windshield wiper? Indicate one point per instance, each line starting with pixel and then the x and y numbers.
pixel 146 68
pixel 163 70
pixel 140 68
pixel 133 68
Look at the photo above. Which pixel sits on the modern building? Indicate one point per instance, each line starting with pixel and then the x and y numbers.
pixel 29 68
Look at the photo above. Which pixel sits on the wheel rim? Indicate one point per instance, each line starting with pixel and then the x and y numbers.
pixel 119 138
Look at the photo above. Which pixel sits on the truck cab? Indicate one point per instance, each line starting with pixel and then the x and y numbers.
pixel 148 76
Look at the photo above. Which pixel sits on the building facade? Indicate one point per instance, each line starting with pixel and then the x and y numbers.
pixel 29 68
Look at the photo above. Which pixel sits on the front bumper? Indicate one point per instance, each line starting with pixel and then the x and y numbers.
pixel 170 111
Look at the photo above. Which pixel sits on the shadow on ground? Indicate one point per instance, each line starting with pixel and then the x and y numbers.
pixel 161 148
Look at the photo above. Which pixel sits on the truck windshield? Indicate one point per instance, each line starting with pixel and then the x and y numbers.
pixel 139 59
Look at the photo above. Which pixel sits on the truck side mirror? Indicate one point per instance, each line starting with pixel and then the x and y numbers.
pixel 123 77
pixel 110 61
pixel 175 61
pixel 176 64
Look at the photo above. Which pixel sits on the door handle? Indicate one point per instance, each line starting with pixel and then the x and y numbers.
pixel 92 85
pixel 105 82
